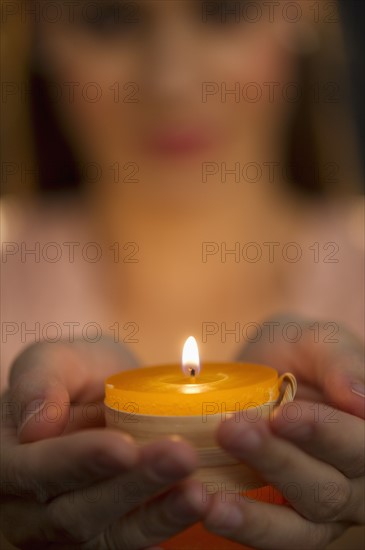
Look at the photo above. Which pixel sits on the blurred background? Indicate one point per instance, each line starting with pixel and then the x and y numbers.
pixel 25 133
pixel 353 16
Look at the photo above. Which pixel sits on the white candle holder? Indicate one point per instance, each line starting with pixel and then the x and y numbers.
pixel 215 465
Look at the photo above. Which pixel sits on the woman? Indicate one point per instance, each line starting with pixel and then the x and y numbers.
pixel 181 118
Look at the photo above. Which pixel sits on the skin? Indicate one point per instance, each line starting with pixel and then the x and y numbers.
pixel 34 456
pixel 317 447
pixel 170 63
pixel 306 452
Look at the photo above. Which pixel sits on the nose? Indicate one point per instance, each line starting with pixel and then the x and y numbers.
pixel 171 64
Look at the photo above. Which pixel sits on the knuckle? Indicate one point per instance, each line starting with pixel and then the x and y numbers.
pixel 67 525
pixel 356 468
pixel 333 504
pixel 258 526
pixel 124 534
pixel 16 481
pixel 10 474
pixel 147 528
pixel 356 510
pixel 106 541
pixel 318 536
pixel 41 489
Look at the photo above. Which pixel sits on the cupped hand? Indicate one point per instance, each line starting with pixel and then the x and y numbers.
pixel 65 486
pixel 312 450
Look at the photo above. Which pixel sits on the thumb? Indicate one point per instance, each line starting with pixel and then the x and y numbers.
pixel 327 369
pixel 39 406
pixel 47 377
pixel 344 377
pixel 42 380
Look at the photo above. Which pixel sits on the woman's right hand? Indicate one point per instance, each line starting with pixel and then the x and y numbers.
pixel 65 481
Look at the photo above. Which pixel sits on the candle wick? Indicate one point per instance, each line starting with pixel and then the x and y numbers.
pixel 192 372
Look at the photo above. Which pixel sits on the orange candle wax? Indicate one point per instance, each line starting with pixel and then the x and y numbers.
pixel 164 391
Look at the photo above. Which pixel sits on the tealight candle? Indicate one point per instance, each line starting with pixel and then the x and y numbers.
pixel 166 400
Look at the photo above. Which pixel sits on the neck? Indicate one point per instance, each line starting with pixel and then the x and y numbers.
pixel 152 211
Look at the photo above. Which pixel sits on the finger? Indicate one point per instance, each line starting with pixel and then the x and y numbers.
pixel 343 379
pixel 159 520
pixel 55 466
pixel 290 469
pixel 325 433
pixel 308 393
pixel 37 405
pixel 46 378
pixel 20 522
pixel 83 416
pixel 325 356
pixel 163 463
pixel 266 526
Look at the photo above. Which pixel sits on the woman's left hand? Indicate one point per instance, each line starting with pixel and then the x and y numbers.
pixel 311 451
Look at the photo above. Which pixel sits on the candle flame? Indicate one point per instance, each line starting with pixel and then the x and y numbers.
pixel 190 357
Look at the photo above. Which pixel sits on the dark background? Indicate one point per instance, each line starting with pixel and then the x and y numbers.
pixel 352 12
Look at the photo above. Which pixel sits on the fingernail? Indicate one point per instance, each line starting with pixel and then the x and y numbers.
pixel 227 518
pixel 241 438
pixel 358 389
pixel 115 462
pixel 32 410
pixel 168 468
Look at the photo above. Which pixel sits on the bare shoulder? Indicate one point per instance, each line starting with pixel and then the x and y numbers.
pixel 47 286
pixel 36 218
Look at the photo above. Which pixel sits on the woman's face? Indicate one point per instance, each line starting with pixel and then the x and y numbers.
pixel 167 83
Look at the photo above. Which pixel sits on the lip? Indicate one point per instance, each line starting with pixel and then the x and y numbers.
pixel 181 142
